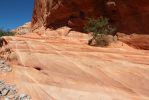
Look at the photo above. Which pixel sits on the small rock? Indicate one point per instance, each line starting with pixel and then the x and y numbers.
pixel 9 92
pixel 6 98
pixel 2 61
pixel 5 91
pixel 1 82
pixel 4 67
pixel 16 97
pixel 1 65
pixel 24 97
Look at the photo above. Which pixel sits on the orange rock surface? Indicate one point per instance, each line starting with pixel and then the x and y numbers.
pixel 62 68
pixel 136 41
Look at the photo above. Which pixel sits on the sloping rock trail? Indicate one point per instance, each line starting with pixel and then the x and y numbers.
pixel 65 69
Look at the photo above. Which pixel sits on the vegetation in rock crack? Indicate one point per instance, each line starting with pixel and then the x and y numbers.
pixel 100 29
pixel 6 33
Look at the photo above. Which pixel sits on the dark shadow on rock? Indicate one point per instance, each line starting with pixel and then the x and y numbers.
pixel 3 42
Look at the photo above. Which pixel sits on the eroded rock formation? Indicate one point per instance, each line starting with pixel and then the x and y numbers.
pixel 26 28
pixel 66 68
pixel 59 65
pixel 129 16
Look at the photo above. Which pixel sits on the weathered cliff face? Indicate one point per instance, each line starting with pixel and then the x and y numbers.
pixel 59 12
pixel 134 15
pixel 128 15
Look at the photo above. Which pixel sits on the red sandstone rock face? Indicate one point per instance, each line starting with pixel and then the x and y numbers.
pixel 133 15
pixel 129 15
pixel 47 12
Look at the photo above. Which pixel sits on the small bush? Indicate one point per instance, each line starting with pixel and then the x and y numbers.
pixel 6 33
pixel 100 28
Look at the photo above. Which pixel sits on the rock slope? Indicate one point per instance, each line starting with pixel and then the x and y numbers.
pixel 62 68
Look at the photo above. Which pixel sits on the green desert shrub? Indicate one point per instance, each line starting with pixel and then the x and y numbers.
pixel 6 33
pixel 100 29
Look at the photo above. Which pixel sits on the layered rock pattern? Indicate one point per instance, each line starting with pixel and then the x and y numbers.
pixel 60 68
pixel 136 41
pixel 130 16
pixel 59 65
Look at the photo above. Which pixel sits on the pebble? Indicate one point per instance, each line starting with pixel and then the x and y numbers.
pixel 1 82
pixel 2 61
pixel 6 98
pixel 4 91
pixel 9 92
pixel 22 97
pixel 4 67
